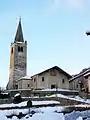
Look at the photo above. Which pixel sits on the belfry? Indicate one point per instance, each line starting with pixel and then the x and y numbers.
pixel 18 58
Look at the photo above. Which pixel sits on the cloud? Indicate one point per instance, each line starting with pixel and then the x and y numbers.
pixel 75 3
pixel 54 5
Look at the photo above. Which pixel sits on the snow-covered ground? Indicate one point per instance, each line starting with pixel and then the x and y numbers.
pixel 41 114
pixel 71 97
pixel 76 98
pixel 33 102
pixel 45 113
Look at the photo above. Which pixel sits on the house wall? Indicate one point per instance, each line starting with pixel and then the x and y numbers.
pixel 75 84
pixel 88 83
pixel 23 84
pixel 50 80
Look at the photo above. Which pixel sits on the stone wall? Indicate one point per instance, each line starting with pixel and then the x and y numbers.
pixel 63 101
pixel 28 92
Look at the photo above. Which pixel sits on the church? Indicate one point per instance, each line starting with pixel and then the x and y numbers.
pixel 50 78
pixel 18 58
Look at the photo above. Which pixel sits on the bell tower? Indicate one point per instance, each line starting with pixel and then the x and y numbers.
pixel 18 58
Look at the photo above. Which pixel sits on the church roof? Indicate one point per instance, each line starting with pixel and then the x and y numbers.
pixel 55 67
pixel 19 33
pixel 24 78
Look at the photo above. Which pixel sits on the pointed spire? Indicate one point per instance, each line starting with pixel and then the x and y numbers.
pixel 19 33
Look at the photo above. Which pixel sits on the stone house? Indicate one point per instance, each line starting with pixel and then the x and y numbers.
pixel 51 78
pixel 24 83
pixel 81 81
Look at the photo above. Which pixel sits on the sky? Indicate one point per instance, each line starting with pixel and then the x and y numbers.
pixel 54 30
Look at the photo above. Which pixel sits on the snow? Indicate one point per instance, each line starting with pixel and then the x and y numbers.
pixel 80 118
pixel 76 98
pixel 45 102
pixel 58 90
pixel 77 115
pixel 4 93
pixel 58 95
pixel 45 113
pixel 33 102
pixel 41 114
pixel 26 77
pixel 18 94
pixel 80 74
pixel 87 74
pixel 48 116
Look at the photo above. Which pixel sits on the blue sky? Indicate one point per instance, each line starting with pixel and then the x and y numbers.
pixel 54 30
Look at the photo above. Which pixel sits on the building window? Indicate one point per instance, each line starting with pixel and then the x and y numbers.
pixel 53 72
pixel 53 86
pixel 86 77
pixel 34 79
pixel 16 86
pixel 42 79
pixel 18 48
pixel 63 80
pixel 21 49
pixel 12 50
pixel 28 85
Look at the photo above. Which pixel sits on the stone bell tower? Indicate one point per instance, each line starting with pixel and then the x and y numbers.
pixel 18 58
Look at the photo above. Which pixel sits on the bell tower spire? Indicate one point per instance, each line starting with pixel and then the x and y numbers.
pixel 18 58
pixel 19 33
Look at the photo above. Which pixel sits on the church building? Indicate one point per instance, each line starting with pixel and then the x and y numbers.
pixel 18 58
pixel 50 78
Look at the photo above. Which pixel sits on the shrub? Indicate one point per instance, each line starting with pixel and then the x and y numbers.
pixel 17 98
pixel 4 95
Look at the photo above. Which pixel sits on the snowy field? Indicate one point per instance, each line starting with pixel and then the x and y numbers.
pixel 33 103
pixel 45 113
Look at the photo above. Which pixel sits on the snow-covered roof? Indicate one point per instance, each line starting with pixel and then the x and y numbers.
pixel 25 78
pixel 80 74
pixel 56 68
pixel 87 74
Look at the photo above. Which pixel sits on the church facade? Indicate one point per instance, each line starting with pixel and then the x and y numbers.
pixel 18 58
pixel 51 78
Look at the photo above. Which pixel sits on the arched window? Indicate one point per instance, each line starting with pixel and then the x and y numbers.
pixel 18 48
pixel 21 49
pixel 12 50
